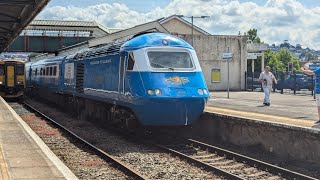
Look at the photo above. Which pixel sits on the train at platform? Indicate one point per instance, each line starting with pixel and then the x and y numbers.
pixel 12 78
pixel 152 79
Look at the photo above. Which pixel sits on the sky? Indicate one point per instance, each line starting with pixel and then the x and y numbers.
pixel 297 21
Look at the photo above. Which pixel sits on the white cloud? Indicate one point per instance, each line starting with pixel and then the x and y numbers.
pixel 276 21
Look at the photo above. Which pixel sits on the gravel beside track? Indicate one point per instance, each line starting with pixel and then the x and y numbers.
pixel 147 160
pixel 81 161
pixel 241 166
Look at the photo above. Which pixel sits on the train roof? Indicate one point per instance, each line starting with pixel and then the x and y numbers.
pixel 12 60
pixel 155 39
pixel 50 60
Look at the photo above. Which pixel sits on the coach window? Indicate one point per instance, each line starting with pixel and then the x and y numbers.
pixel 130 62
pixel 1 69
pixel 50 71
pixel 47 71
pixel 55 71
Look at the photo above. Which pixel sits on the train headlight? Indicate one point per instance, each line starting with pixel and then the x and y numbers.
pixel 20 82
pixel 1 82
pixel 158 92
pixel 205 91
pixel 150 92
pixel 200 91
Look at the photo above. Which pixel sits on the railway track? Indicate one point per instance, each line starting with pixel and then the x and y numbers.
pixel 226 163
pixel 221 162
pixel 102 154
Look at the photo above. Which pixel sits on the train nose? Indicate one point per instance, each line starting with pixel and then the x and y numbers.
pixel 170 111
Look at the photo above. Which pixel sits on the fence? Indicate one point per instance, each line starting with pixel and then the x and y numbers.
pixel 295 83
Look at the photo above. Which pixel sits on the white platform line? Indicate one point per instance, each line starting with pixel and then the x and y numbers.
pixel 66 172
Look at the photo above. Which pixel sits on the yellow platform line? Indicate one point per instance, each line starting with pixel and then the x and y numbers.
pixel 262 117
pixel 4 171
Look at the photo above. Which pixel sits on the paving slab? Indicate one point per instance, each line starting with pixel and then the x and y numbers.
pixel 296 110
pixel 23 155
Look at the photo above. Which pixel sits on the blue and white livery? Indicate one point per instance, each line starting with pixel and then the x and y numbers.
pixel 157 76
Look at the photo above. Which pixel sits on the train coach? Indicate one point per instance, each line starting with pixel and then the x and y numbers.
pixel 12 78
pixel 153 79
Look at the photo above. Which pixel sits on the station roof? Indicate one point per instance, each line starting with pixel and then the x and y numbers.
pixel 15 15
pixel 64 25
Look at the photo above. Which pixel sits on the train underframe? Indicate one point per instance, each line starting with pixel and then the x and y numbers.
pixel 87 109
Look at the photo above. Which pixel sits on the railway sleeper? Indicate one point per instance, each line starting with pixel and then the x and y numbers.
pixel 218 163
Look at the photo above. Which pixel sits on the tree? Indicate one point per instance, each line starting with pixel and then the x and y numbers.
pixel 253 36
pixel 279 60
pixel 298 46
pixel 309 56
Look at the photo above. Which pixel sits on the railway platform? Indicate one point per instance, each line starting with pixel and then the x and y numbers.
pixel 23 155
pixel 285 109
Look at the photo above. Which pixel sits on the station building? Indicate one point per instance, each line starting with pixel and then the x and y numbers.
pixel 210 49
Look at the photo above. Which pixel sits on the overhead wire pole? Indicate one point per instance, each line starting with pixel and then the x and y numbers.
pixel 192 30
pixel 192 25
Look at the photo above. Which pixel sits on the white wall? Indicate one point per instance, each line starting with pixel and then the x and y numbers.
pixel 210 49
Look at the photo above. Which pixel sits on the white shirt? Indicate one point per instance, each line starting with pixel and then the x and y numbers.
pixel 269 77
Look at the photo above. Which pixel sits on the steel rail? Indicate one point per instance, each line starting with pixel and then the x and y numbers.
pixel 208 167
pixel 253 162
pixel 100 153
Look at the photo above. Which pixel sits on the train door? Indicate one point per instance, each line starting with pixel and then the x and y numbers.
pixel 122 74
pixel 10 76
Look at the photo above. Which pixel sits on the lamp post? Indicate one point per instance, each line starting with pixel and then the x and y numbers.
pixel 192 17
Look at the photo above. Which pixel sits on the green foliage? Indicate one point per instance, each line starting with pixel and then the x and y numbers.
pixel 253 36
pixel 309 56
pixel 279 60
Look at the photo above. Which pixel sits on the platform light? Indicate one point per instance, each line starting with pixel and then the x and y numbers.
pixel 1 82
pixel 192 17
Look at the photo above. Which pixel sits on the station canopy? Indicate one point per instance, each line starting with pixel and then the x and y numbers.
pixel 15 15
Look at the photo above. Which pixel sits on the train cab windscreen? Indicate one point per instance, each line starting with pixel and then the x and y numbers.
pixel 170 60
pixel 20 69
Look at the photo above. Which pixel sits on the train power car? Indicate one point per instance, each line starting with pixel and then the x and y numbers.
pixel 12 78
pixel 153 78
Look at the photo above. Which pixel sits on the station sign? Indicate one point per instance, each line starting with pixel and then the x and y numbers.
pixel 227 55
pixel 257 47
pixel 253 55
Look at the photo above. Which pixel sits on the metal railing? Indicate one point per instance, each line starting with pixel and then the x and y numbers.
pixel 295 83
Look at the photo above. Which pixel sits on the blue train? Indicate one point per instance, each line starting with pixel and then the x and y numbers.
pixel 154 78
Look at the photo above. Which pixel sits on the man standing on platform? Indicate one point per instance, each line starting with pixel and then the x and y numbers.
pixel 315 73
pixel 267 79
